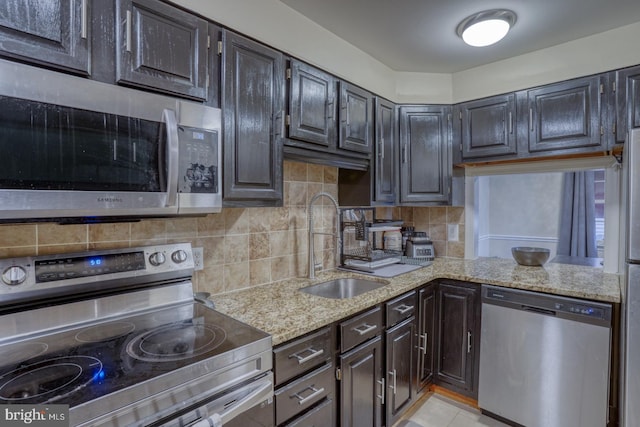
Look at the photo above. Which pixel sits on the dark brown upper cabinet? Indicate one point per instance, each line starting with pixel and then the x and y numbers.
pixel 564 118
pixel 385 161
pixel 425 153
pixel 253 122
pixel 627 101
pixel 162 48
pixel 488 127
pixel 312 107
pixel 356 119
pixel 53 33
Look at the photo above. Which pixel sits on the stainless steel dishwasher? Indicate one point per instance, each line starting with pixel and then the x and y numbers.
pixel 544 360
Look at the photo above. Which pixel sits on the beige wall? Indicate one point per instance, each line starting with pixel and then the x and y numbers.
pixel 242 247
pixel 275 24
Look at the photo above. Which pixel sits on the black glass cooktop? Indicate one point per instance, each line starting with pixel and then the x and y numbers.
pixel 84 363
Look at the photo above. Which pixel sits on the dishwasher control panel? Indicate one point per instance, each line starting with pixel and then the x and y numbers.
pixel 546 304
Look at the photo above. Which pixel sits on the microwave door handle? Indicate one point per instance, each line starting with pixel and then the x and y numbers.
pixel 169 118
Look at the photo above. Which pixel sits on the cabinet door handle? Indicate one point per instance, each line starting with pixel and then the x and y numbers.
pixel 330 107
pixel 302 400
pixel 128 32
pixel 392 386
pixel 510 122
pixel 402 309
pixel 468 342
pixel 404 153
pixel 366 330
pixel 301 359
pixel 277 124
pixel 381 145
pixel 531 119
pixel 83 17
pixel 424 346
pixel 383 390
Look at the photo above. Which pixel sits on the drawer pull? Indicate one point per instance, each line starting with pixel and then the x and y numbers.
pixel 403 309
pixel 301 359
pixel 302 400
pixel 366 330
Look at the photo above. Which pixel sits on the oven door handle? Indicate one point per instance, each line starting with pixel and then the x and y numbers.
pixel 262 391
pixel 170 120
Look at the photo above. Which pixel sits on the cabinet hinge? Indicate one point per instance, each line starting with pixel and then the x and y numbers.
pixel 460 115
pixel 448 118
pixel 338 374
pixel 207 81
pixel 613 86
pixel 219 47
pixel 287 120
pixel 288 73
pixel 601 130
pixel 601 88
pixel 614 128
pixel 208 42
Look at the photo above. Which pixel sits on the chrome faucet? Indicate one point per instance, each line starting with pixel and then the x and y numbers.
pixel 312 264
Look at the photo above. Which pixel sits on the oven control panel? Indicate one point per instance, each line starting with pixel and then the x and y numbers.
pixel 89 265
pixel 78 272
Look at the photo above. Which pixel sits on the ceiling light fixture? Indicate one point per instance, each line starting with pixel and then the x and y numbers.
pixel 486 28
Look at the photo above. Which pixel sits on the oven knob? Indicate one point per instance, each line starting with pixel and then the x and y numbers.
pixel 14 275
pixel 157 258
pixel 179 256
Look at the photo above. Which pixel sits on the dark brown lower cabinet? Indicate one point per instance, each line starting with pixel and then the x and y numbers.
pixel 458 337
pixel 425 336
pixel 362 385
pixel 400 390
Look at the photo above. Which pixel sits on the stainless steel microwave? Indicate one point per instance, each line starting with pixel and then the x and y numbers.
pixel 72 147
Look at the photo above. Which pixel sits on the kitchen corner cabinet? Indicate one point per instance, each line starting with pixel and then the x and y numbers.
pixel 311 120
pixel 458 337
pixel 564 118
pixel 425 154
pixel 487 127
pixel 161 47
pixel 356 119
pixel 425 336
pixel 252 108
pixel 53 33
pixel 385 160
pixel 627 101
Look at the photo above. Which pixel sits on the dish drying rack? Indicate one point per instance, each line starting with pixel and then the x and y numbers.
pixel 361 244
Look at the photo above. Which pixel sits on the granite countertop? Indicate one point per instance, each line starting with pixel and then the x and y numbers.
pixel 281 310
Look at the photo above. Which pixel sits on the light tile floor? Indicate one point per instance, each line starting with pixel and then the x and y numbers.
pixel 439 411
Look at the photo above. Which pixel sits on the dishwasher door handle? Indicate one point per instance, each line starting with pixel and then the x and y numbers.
pixel 538 310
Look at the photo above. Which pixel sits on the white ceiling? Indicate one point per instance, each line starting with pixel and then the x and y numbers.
pixel 420 35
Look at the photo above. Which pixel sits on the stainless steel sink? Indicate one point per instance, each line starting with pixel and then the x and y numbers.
pixel 343 288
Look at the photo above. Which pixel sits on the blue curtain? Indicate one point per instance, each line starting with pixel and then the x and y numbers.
pixel 577 216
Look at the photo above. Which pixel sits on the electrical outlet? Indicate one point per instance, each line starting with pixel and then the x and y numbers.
pixel 452 232
pixel 198 259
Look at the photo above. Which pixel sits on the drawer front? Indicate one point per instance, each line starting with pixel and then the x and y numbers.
pixel 360 328
pixel 400 308
pixel 322 415
pixel 304 393
pixel 302 355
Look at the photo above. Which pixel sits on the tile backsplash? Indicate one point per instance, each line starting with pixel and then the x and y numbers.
pixel 242 246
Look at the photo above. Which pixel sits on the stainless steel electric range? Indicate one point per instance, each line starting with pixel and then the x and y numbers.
pixel 118 337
